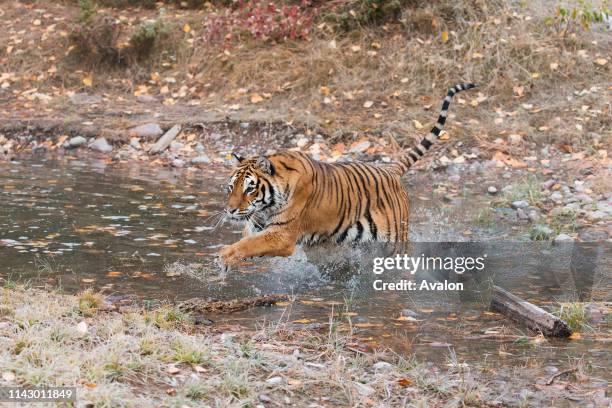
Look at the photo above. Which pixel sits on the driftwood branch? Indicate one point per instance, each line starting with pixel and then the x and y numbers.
pixel 200 306
pixel 560 373
pixel 165 140
pixel 528 314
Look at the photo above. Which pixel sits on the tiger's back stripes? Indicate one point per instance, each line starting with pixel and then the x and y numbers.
pixel 289 197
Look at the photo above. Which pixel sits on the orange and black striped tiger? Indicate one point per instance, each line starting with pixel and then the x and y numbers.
pixel 289 198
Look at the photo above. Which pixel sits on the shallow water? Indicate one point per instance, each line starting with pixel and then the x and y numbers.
pixel 136 230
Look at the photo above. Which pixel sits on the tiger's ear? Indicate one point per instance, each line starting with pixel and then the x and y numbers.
pixel 236 159
pixel 265 164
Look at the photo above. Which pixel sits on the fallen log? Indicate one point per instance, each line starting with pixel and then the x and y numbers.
pixel 164 141
pixel 528 314
pixel 200 306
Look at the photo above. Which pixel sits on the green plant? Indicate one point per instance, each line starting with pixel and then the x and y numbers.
pixel 574 314
pixel 146 37
pixel 89 303
pixel 569 20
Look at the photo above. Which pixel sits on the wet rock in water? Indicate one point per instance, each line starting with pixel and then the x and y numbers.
pixel 178 163
pixel 519 204
pixel 492 190
pixel 360 147
pixel 382 366
pixel 563 238
pixel 101 145
pixel 202 159
pixel 594 313
pixel 592 234
pixel 76 141
pixel 146 99
pixel 409 313
pixel 147 131
pixel 82 98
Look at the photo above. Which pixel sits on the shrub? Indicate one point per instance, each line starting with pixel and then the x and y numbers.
pixel 259 20
pixel 96 41
pixel 147 36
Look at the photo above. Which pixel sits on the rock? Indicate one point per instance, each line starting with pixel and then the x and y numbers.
pixel 492 190
pixel 596 215
pixel 410 313
pixel 592 234
pixel 135 143
pixel 274 380
pixel 519 204
pixel 264 398
pixel 101 145
pixel 199 148
pixel 178 163
pixel 176 145
pixel 604 206
pixel 563 238
pixel 245 125
pixel 202 159
pixel 455 178
pixel 301 142
pixel 147 131
pixel 382 366
pixel 76 141
pixel 85 99
pixel 363 390
pixel 521 214
pixel 146 99
pixel 548 184
pixel 551 370
pixel 585 198
pixel 534 215
pixel 360 147
pixel 515 139
pixel 595 313
pixel 556 196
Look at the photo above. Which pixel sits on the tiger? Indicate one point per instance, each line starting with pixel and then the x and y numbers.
pixel 289 198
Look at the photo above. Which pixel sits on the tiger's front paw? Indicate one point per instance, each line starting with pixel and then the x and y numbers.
pixel 228 258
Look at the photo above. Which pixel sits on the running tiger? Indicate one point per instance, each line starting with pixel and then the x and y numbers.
pixel 289 198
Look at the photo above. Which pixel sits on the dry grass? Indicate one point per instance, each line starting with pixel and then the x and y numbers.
pixel 402 67
pixel 159 358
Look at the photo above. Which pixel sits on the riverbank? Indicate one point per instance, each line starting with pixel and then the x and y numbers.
pixel 160 357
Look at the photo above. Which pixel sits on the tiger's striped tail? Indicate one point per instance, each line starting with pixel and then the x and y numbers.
pixel 413 154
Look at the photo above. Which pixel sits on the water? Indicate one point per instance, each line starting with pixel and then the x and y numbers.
pixel 148 232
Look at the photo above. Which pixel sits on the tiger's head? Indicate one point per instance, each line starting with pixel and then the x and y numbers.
pixel 251 188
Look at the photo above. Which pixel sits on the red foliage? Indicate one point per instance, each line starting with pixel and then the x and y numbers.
pixel 260 20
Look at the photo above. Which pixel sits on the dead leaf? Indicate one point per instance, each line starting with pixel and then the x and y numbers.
pixel 575 336
pixel 302 321
pixel 601 61
pixel 368 104
pixel 172 369
pixel 256 98
pixel 113 274
pixel 417 124
pixel 444 36
pixel 186 28
pixel 404 382
pixel 88 81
